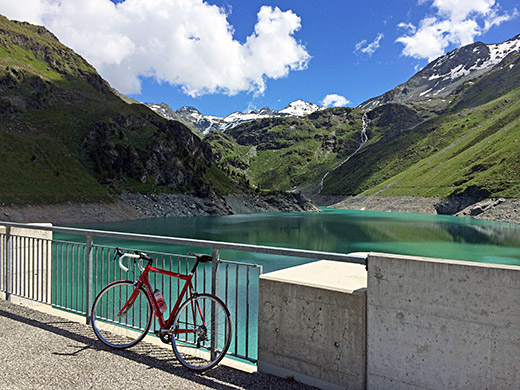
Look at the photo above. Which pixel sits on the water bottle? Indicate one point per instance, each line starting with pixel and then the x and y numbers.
pixel 160 300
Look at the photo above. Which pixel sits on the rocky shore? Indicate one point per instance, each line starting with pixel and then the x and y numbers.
pixel 136 206
pixel 504 210
pixel 167 205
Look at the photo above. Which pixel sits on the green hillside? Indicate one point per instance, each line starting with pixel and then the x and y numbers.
pixel 469 143
pixel 66 136
pixel 473 144
pixel 481 148
pixel 289 153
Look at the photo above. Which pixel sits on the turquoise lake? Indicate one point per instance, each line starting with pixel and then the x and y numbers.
pixel 333 230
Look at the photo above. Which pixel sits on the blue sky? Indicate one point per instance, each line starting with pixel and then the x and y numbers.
pixel 222 56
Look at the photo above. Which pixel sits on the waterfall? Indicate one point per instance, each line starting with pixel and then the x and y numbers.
pixel 364 126
pixel 363 140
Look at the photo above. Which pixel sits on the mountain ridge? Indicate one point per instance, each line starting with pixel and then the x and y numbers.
pixel 352 155
pixel 444 74
pixel 206 123
pixel 66 136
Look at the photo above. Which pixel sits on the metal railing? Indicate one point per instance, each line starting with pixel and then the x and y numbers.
pixel 68 273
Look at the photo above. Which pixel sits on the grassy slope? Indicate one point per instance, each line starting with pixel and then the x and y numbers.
pixel 65 136
pixel 482 150
pixel 392 130
pixel 282 154
pixel 36 162
pixel 474 142
pixel 39 169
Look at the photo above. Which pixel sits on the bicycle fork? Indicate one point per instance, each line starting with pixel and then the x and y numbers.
pixel 128 305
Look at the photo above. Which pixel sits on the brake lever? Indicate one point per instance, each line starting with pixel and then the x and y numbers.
pixel 117 253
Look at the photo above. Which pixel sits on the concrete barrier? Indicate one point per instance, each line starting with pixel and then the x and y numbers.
pixel 440 324
pixel 30 265
pixel 311 324
pixel 421 323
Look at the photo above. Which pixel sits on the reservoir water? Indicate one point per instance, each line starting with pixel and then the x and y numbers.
pixel 342 231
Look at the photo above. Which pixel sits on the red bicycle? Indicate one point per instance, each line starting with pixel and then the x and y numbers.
pixel 198 329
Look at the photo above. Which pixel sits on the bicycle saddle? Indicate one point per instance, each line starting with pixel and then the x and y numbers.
pixel 202 257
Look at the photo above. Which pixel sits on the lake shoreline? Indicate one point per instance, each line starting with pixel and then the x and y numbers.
pixel 137 206
pixel 495 209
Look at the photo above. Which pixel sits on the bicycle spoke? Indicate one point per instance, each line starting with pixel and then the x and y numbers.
pixel 202 332
pixel 121 315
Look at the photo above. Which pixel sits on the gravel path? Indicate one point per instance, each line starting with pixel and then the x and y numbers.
pixel 42 351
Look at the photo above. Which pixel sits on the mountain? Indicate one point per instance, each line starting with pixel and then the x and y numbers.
pixel 285 153
pixel 206 123
pixel 451 130
pixel 469 148
pixel 299 108
pixel 166 112
pixel 66 136
pixel 442 76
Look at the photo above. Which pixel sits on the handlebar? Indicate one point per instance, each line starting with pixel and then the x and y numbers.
pixel 199 258
pixel 135 255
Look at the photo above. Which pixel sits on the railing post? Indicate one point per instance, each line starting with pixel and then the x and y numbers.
pixel 90 277
pixel 215 255
pixel 8 263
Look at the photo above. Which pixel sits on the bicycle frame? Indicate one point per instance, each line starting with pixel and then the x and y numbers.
pixel 144 281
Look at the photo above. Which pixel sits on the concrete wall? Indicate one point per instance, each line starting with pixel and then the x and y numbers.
pixel 30 262
pixel 438 324
pixel 312 324
pixel 420 324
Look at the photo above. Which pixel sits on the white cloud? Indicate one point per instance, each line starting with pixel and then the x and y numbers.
pixel 180 42
pixel 408 26
pixel 496 19
pixel 334 100
pixel 371 47
pixel 454 23
pixel 460 9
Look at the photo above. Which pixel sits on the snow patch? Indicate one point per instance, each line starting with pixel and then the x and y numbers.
pixel 458 72
pixel 425 92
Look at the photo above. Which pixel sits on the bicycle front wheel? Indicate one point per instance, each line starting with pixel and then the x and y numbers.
pixel 121 315
pixel 202 332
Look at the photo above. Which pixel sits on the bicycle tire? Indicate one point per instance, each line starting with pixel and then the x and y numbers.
pixel 192 340
pixel 116 331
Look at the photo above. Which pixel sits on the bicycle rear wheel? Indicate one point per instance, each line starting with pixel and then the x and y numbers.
pixel 202 332
pixel 117 320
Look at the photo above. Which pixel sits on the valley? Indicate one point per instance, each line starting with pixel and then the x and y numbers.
pixel 451 134
pixel 460 143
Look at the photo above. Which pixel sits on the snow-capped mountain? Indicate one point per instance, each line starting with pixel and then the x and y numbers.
pixel 206 123
pixel 163 110
pixel 299 108
pixel 443 75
